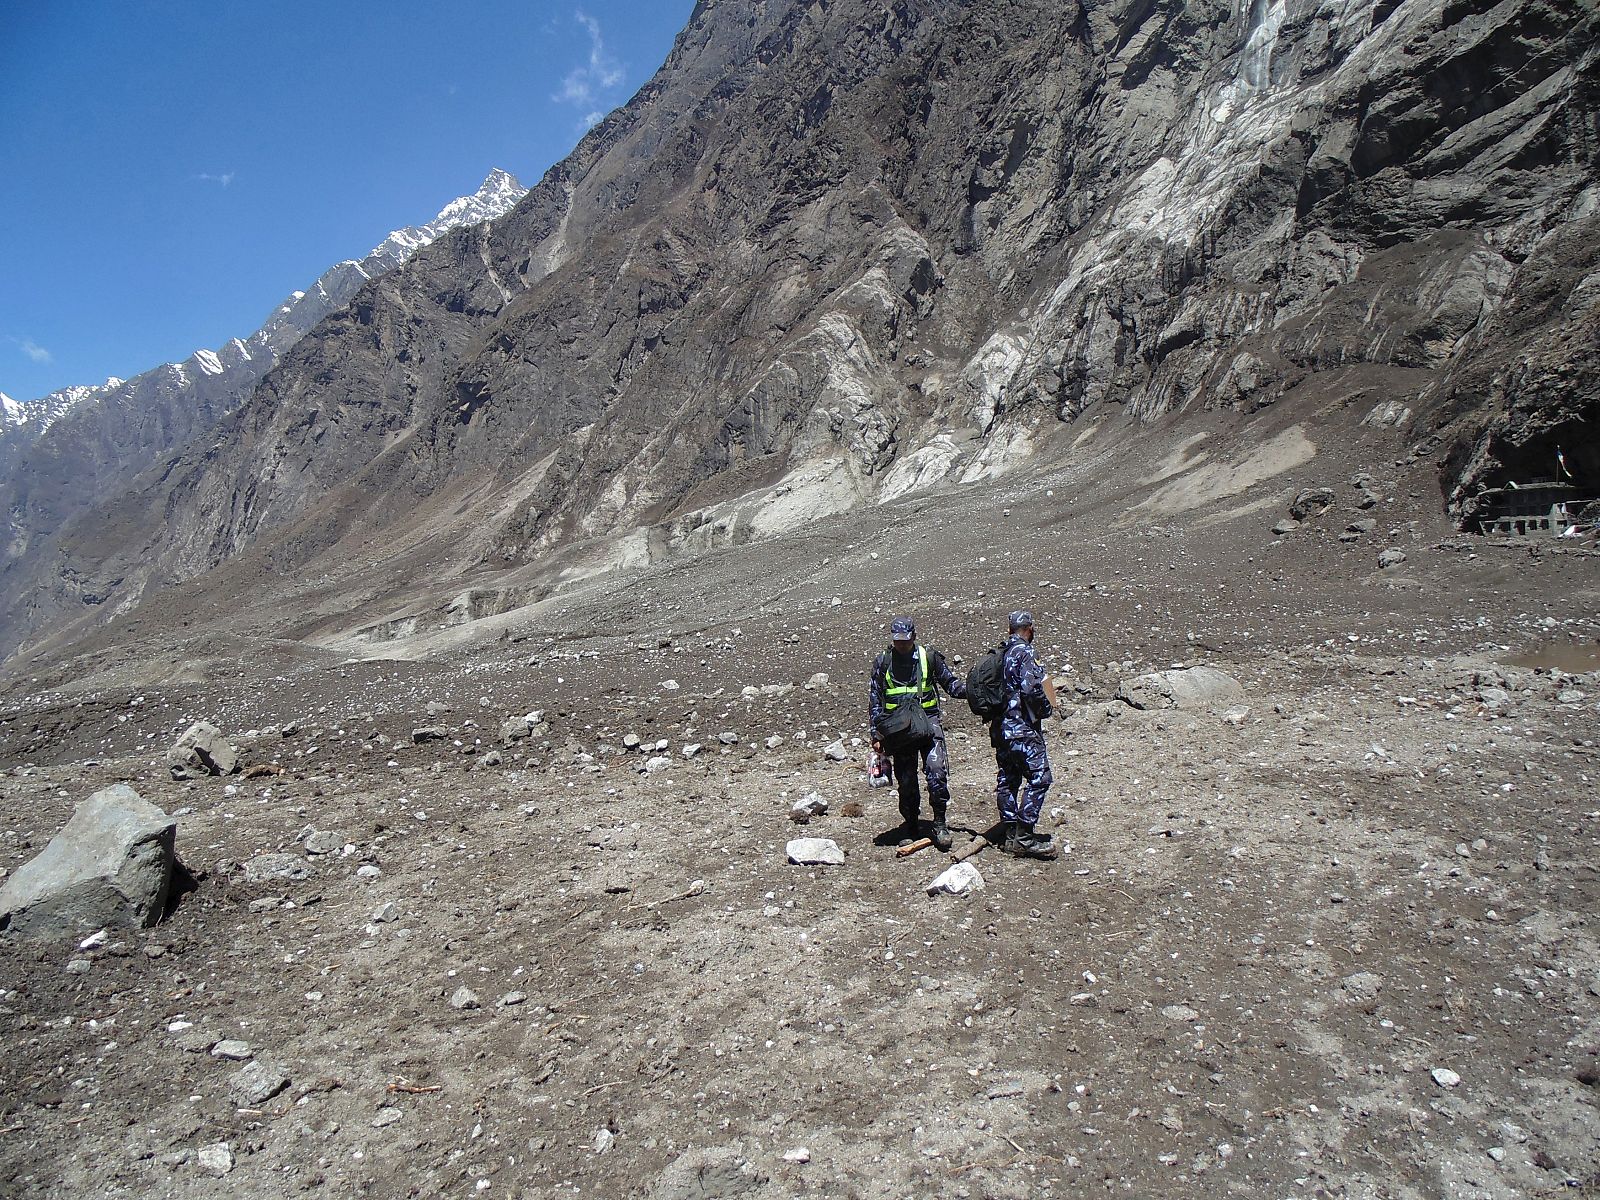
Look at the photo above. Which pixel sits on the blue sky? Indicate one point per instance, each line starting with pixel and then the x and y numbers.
pixel 170 170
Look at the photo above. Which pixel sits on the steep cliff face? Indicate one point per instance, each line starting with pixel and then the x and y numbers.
pixel 838 251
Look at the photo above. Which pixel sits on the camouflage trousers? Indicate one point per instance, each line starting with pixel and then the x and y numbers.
pixel 936 765
pixel 1023 778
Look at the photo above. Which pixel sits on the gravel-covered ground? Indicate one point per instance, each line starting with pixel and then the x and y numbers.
pixel 1341 944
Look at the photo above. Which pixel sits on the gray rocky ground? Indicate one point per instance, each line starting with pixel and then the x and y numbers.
pixel 1340 944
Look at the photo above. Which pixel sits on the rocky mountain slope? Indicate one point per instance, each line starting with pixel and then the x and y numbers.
pixel 67 452
pixel 836 253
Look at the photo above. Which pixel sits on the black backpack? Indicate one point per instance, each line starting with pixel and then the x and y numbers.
pixel 986 685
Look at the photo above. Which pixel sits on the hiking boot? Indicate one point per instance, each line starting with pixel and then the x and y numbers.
pixel 942 838
pixel 1023 842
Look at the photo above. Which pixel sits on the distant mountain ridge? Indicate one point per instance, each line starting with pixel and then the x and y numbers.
pixel 292 319
pixel 66 452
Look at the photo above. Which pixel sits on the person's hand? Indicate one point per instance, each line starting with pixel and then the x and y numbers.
pixel 877 745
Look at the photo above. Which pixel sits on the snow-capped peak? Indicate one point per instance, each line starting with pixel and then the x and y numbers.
pixel 497 196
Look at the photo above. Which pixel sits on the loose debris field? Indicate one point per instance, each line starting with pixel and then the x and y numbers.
pixel 1342 943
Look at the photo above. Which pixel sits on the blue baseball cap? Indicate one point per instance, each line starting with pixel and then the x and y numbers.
pixel 1021 619
pixel 901 628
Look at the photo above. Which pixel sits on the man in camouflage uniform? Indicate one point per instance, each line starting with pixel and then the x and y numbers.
pixel 907 673
pixel 1023 775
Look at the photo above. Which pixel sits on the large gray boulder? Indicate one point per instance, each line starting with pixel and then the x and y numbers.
pixel 1190 687
pixel 110 867
pixel 201 752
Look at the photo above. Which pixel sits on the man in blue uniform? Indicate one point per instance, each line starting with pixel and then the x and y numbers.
pixel 907 673
pixel 1023 775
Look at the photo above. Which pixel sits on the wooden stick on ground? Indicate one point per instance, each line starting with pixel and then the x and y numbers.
pixel 971 848
pixel 912 847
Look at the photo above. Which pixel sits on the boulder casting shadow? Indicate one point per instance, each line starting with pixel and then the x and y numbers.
pixel 112 866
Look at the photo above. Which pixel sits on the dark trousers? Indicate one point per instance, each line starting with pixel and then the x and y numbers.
pixel 1022 778
pixel 936 765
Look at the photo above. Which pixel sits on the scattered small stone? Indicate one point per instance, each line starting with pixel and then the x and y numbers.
pixel 810 805
pixel 604 1139
pixel 255 1084
pixel 429 733
pixel 669 685
pixel 630 741
pixel 773 742
pixel 1391 558
pixel 659 762
pixel 728 738
pixel 800 1154
pixel 464 998
pixel 1179 1012
pixel 79 966
pixel 201 751
pixel 1006 1090
pixel 234 1049
pixel 1084 1000
pixel 836 752
pixel 815 852
pixel 691 750
pixel 385 912
pixel 368 871
pixel 512 999
pixel 323 842
pixel 1445 1077
pixel 386 1116
pixel 216 1158
pixel 1311 502
pixel 960 879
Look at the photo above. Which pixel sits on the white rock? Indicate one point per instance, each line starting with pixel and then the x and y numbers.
pixel 386 1116
pixel 233 1048
pixel 604 1139
pixel 1179 1012
pixel 659 762
pixel 669 685
pixel 820 679
pixel 773 742
pixel 692 749
pixel 959 880
pixel 1445 1077
pixel 216 1158
pixel 815 852
pixel 810 805
pixel 798 1155
pixel 464 998
pixel 836 752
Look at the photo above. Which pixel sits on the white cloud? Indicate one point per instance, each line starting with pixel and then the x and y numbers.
pixel 224 179
pixel 583 86
pixel 31 348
